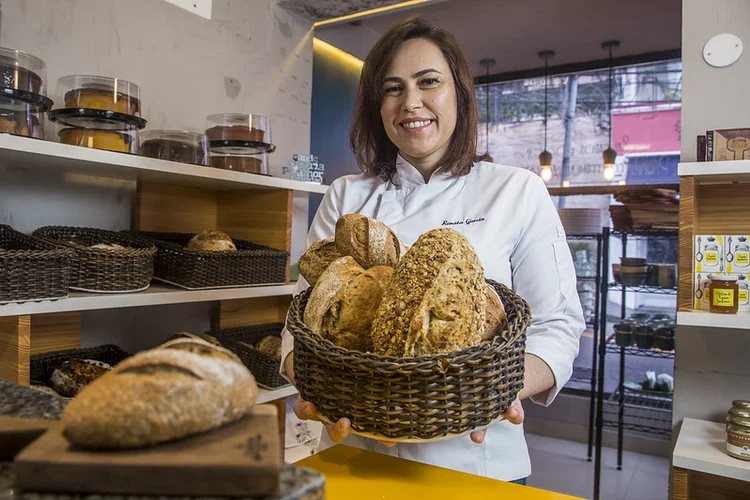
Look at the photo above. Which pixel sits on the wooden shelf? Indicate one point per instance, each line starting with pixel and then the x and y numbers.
pixel 714 172
pixel 267 396
pixel 707 320
pixel 608 189
pixel 44 157
pixel 155 295
pixel 701 446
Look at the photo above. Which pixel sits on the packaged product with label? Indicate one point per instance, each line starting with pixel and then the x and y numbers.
pixel 743 284
pixel 737 254
pixel 701 284
pixel 708 253
pixel 731 144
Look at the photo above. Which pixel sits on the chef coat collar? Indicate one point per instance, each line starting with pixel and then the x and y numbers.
pixel 406 173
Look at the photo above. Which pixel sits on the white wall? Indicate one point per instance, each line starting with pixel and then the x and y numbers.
pixel 252 56
pixel 711 365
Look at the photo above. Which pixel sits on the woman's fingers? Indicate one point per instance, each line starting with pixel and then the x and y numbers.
pixel 478 436
pixel 387 443
pixel 339 431
pixel 305 410
pixel 515 413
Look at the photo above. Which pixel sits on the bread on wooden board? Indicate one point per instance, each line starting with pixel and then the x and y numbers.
pixel 181 388
pixel 212 241
pixel 435 302
pixel 370 242
pixel 495 321
pixel 348 319
pixel 317 258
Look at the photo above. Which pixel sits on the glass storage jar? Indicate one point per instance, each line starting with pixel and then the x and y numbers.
pixel 738 436
pixel 724 294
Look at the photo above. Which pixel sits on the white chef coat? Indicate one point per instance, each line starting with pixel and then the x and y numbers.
pixel 510 220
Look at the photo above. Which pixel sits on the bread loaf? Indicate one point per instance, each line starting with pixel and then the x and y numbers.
pixel 200 336
pixel 181 388
pixel 212 241
pixel 72 376
pixel 348 319
pixel 270 346
pixel 435 302
pixel 339 273
pixel 317 258
pixel 369 241
pixel 495 320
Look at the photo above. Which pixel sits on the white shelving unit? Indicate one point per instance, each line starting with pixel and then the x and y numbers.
pixel 711 172
pixel 700 447
pixel 708 320
pixel 42 157
pixel 155 295
pixel 266 396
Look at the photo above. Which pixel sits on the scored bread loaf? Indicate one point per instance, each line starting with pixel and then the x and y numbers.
pixel 369 241
pixel 340 272
pixel 435 302
pixel 183 387
pixel 200 336
pixel 495 323
pixel 317 258
pixel 348 319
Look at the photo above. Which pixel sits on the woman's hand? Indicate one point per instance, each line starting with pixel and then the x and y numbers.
pixel 307 411
pixel 514 415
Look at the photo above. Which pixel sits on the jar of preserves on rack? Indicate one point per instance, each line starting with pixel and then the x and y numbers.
pixel 738 430
pixel 724 294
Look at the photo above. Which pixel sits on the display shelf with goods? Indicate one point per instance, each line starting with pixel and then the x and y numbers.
pixel 168 197
pixel 632 350
pixel 624 409
pixel 587 254
pixel 715 200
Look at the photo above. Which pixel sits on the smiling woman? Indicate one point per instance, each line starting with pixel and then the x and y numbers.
pixel 414 135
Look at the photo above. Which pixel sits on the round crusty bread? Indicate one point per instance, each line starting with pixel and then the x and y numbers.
pixel 369 241
pixel 270 345
pixel 339 273
pixel 181 388
pixel 73 375
pixel 435 302
pixel 348 319
pixel 317 258
pixel 495 321
pixel 212 241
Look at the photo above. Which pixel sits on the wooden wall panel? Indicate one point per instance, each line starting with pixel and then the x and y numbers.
pixel 722 209
pixel 179 209
pixel 15 348
pixel 693 485
pixel 233 313
pixel 687 223
pixel 55 332
pixel 260 216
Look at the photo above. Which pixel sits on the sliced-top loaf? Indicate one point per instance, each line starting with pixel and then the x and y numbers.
pixel 435 302
pixel 369 241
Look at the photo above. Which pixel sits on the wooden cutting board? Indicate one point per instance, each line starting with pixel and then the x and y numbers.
pixel 240 459
pixel 17 433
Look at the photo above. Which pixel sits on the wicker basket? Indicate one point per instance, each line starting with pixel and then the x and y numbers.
pixel 265 368
pixel 98 270
pixel 251 264
pixel 42 365
pixel 424 398
pixel 31 268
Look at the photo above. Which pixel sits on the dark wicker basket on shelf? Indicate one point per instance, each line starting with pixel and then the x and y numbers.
pixel 100 270
pixel 251 264
pixel 42 365
pixel 424 398
pixel 265 368
pixel 31 268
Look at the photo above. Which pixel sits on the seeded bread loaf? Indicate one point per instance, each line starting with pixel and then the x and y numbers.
pixel 183 387
pixel 317 258
pixel 369 241
pixel 336 275
pixel 495 320
pixel 435 302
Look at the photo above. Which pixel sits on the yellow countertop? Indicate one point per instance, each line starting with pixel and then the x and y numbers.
pixel 353 473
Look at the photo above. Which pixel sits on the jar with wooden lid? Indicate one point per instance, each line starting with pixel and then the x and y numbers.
pixel 724 294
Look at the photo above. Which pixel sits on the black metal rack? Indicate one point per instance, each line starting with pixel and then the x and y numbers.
pixel 590 374
pixel 625 409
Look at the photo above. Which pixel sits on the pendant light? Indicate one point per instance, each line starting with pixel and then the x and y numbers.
pixel 609 155
pixel 487 64
pixel 545 157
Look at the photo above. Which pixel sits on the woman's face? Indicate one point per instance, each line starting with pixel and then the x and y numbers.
pixel 419 103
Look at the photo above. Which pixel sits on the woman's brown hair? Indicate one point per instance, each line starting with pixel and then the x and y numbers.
pixel 375 153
